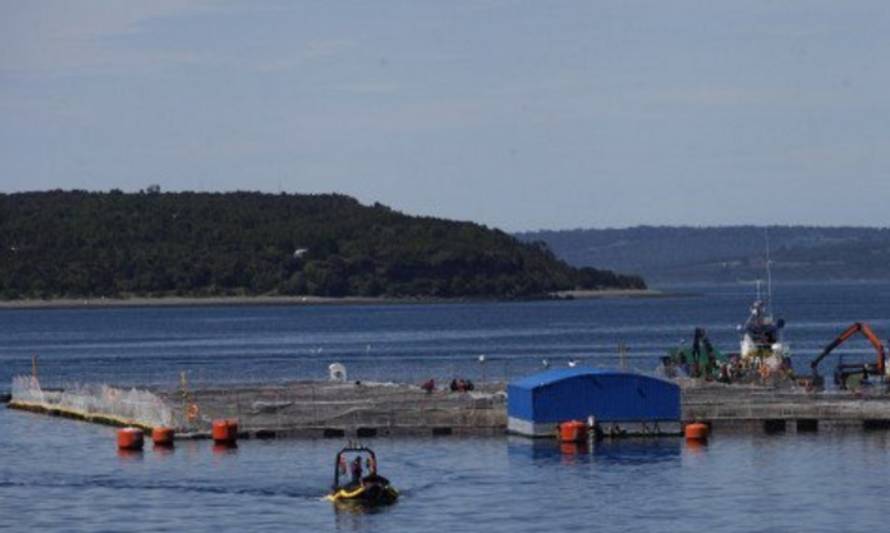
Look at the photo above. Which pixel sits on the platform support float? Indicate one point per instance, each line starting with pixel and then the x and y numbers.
pixel 572 431
pixel 225 431
pixel 696 432
pixel 130 439
pixel 162 437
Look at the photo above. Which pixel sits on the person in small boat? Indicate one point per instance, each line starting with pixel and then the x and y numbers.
pixel 371 469
pixel 356 471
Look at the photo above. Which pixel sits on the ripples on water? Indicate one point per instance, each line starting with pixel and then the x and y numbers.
pixel 60 474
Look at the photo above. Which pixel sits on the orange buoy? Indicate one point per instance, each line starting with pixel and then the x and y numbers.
pixel 225 431
pixel 696 431
pixel 572 431
pixel 129 439
pixel 162 436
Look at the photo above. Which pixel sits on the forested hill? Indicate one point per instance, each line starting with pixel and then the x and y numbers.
pixel 730 253
pixel 88 244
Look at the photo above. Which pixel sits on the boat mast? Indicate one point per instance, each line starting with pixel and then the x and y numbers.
pixel 769 274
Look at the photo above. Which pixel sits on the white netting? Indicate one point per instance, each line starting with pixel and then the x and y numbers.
pixel 27 389
pixel 135 405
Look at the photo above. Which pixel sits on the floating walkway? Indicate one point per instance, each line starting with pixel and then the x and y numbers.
pixel 344 410
pixel 347 410
pixel 758 409
pixel 76 414
pixel 295 410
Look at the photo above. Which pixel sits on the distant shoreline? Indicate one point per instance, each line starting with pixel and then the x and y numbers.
pixel 612 293
pixel 185 301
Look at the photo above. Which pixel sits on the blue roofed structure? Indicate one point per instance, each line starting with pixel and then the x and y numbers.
pixel 535 404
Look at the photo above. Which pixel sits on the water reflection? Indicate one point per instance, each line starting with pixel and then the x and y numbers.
pixel 570 450
pixel 614 451
pixel 130 455
pixel 696 447
pixel 54 473
pixel 351 517
pixel 162 451
pixel 223 448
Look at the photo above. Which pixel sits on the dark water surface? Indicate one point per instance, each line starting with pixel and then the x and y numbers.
pixel 63 475
pixel 150 346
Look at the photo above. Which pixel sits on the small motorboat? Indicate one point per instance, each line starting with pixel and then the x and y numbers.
pixel 366 490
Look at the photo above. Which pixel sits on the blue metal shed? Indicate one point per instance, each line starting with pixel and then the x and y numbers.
pixel 536 403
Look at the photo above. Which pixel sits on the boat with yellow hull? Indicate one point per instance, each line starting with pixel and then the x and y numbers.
pixel 368 494
pixel 370 490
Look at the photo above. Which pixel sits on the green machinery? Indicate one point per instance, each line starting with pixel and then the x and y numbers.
pixel 699 360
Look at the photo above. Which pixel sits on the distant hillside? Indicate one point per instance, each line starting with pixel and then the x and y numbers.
pixel 82 244
pixel 673 254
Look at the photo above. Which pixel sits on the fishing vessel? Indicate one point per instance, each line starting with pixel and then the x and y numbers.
pixel 761 342
pixel 762 354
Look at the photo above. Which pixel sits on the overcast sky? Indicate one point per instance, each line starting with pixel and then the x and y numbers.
pixel 520 115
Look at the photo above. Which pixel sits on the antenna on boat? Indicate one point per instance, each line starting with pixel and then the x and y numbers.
pixel 622 356
pixel 769 273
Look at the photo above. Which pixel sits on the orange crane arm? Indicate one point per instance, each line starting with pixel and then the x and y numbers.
pixel 876 342
pixel 858 327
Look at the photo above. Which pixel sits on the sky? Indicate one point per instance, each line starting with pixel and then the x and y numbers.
pixel 519 115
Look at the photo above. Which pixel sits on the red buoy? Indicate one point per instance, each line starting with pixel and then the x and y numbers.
pixel 129 438
pixel 572 431
pixel 162 436
pixel 225 431
pixel 697 432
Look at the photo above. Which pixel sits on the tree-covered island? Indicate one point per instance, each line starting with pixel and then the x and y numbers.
pixel 78 244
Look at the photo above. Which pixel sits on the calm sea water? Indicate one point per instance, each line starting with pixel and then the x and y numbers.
pixel 151 346
pixel 64 475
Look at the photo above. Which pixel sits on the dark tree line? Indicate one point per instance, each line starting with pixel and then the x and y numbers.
pixel 90 244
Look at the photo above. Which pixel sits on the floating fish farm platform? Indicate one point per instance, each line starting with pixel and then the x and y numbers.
pixel 328 409
pixel 759 409
pixel 631 403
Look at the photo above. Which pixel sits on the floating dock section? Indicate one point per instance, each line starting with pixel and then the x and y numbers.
pixel 621 403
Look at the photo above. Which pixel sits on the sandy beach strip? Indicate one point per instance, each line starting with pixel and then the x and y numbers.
pixel 268 300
